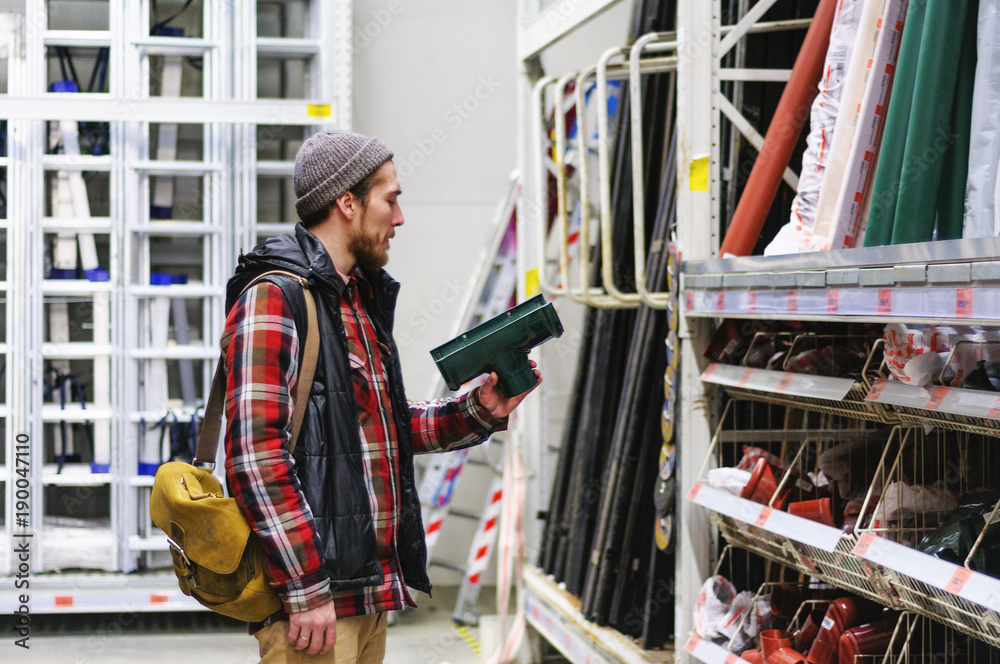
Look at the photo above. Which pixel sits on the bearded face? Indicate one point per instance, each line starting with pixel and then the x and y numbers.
pixel 369 248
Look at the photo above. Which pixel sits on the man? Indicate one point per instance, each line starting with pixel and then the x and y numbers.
pixel 339 519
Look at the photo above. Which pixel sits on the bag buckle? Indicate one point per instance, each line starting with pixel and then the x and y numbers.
pixel 177 547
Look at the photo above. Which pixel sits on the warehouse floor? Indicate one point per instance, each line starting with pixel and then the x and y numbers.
pixel 422 636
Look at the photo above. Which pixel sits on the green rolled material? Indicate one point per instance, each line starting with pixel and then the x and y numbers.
pixel 885 187
pixel 927 136
pixel 951 196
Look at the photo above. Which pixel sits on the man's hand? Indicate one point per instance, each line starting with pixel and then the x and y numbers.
pixel 314 631
pixel 493 399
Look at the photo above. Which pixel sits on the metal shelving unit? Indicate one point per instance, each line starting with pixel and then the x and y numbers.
pixel 156 342
pixel 956 281
pixel 953 282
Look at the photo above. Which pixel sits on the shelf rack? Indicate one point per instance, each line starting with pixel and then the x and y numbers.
pixel 218 119
pixel 864 561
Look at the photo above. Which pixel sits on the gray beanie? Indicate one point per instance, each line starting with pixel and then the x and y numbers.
pixel 330 163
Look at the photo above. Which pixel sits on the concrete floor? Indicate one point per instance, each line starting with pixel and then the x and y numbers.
pixel 422 636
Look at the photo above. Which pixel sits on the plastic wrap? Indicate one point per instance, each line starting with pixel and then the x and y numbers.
pixel 712 605
pixel 852 94
pixel 796 235
pixel 984 149
pixel 858 168
pixel 954 537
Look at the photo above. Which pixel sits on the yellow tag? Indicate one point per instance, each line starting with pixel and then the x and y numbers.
pixel 698 174
pixel 531 283
pixel 319 110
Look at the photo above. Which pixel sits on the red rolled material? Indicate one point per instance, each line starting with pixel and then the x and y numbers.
pixel 782 135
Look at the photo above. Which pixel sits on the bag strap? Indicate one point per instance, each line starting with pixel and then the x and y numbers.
pixel 208 438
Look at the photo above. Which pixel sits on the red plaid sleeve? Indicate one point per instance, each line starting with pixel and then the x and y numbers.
pixel 262 349
pixel 451 424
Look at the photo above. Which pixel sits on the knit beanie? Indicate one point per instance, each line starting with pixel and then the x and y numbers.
pixel 330 163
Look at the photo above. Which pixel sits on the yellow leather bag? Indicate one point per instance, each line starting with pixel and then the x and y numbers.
pixel 218 559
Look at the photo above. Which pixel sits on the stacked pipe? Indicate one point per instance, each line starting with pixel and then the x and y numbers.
pixel 599 531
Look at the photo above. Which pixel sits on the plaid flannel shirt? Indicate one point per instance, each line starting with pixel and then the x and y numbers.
pixel 262 350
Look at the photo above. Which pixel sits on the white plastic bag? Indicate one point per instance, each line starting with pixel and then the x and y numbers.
pixel 712 605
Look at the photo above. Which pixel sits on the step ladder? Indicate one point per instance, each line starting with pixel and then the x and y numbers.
pixel 492 288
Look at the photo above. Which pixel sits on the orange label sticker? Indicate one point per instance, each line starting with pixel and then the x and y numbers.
pixel 159 599
pixel 751 302
pixel 958 580
pixel 861 548
pixel 792 301
pixel 995 411
pixel 731 659
pixel 692 643
pixel 689 301
pixel 877 389
pixel 709 370
pixel 720 301
pixel 745 378
pixel 64 601
pixel 762 518
pixel 963 302
pixel 832 300
pixel 785 381
pixel 885 300
pixel 937 396
pixel 693 493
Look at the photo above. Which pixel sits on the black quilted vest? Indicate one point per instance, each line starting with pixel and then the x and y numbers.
pixel 328 461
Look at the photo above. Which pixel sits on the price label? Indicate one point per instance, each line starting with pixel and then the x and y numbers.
pixel 995 411
pixel 64 601
pixel 785 381
pixel 937 396
pixel 877 390
pixel 720 301
pixel 159 599
pixel 861 548
pixel 731 659
pixel 751 302
pixel 792 301
pixel 885 300
pixel 745 378
pixel 692 643
pixel 762 518
pixel 963 302
pixel 689 301
pixel 958 580
pixel 832 300
pixel 708 371
pixel 693 493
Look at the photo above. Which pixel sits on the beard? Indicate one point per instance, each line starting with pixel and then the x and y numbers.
pixel 368 250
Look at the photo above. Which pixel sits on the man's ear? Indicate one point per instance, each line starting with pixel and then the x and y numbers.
pixel 347 204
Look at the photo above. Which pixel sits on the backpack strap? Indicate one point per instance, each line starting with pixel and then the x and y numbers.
pixel 208 438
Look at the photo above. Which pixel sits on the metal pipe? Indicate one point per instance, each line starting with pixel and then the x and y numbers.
pixel 658 300
pixel 592 297
pixel 562 225
pixel 541 182
pixel 604 180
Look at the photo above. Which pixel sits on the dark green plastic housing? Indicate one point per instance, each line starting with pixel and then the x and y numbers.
pixel 500 344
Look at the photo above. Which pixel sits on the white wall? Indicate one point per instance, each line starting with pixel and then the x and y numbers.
pixel 436 82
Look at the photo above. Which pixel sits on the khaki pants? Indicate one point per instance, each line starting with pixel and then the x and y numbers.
pixel 360 640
